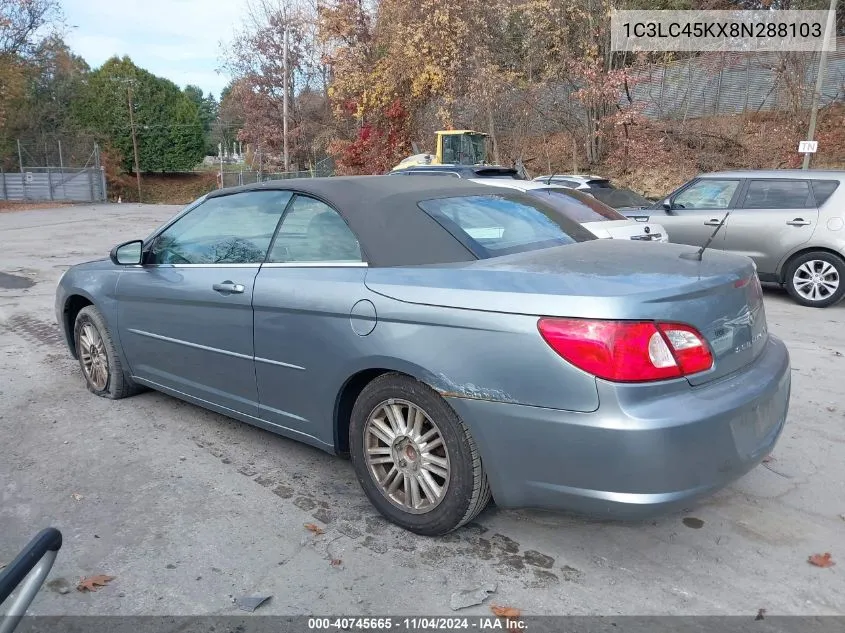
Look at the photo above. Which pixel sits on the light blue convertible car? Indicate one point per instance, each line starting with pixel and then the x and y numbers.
pixel 454 340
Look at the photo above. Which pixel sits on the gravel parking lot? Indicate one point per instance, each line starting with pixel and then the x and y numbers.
pixel 187 509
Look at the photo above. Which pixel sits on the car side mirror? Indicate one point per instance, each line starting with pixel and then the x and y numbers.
pixel 667 206
pixel 128 253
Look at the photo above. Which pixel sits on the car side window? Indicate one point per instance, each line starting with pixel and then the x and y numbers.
pixel 823 189
pixel 233 229
pixel 312 231
pixel 778 194
pixel 706 194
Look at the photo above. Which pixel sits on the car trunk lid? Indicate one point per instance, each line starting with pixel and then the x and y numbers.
pixel 603 279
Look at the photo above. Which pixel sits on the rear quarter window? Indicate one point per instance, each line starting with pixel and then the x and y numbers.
pixel 823 189
pixel 777 194
pixel 577 206
pixel 493 225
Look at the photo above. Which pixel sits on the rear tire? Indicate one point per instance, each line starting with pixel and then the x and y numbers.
pixel 816 279
pixel 415 458
pixel 104 374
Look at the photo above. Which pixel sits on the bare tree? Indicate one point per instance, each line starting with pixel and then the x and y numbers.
pixel 20 21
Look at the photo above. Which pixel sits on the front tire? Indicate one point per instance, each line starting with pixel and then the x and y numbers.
pixel 816 280
pixel 98 358
pixel 415 458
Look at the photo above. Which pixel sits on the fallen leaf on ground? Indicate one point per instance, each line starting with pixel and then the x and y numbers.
pixel 821 560
pixel 336 562
pixel 831 409
pixel 91 583
pixel 77 497
pixel 505 612
pixel 314 528
pixel 769 458
pixel 842 516
pixel 760 614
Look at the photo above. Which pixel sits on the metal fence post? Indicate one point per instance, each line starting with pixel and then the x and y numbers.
pixel 50 182
pixel 90 183
pixel 103 196
pixel 719 87
pixel 662 84
pixel 3 178
pixel 62 171
pixel 747 71
pixel 23 177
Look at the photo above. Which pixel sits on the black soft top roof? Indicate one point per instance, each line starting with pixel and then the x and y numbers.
pixel 383 213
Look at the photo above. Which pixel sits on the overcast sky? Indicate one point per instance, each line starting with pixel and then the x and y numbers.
pixel 176 39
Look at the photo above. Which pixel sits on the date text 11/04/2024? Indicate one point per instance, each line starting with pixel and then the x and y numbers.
pixel 416 624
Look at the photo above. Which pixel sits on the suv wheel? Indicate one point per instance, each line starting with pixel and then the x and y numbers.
pixel 816 279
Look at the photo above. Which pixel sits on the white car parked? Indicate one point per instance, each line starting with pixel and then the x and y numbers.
pixel 595 216
pixel 623 200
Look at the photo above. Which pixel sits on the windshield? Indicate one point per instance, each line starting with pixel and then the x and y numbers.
pixel 464 149
pixel 577 206
pixel 493 225
pixel 479 145
pixel 618 198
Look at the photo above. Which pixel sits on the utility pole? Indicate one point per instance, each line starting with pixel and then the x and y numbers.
pixel 134 138
pixel 814 109
pixel 220 154
pixel 285 97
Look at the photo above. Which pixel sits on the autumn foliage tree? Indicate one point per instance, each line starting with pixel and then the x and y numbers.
pixel 388 64
pixel 256 59
pixel 21 22
pixel 373 79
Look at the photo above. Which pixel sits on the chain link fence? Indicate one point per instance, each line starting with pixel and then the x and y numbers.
pixel 736 83
pixel 248 177
pixel 48 171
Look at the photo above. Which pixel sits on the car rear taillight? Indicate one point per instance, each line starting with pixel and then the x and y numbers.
pixel 628 351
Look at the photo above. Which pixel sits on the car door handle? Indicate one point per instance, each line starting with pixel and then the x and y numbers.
pixel 713 222
pixel 229 287
pixel 799 222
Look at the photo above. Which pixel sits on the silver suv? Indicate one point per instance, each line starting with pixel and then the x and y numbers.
pixel 790 222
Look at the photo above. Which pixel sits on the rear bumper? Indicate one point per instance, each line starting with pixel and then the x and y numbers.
pixel 635 456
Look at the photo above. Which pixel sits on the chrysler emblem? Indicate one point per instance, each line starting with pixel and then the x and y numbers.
pixel 746 317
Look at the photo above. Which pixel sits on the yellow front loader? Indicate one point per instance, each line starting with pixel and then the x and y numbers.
pixel 454 147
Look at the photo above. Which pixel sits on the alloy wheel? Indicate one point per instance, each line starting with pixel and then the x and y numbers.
pixel 407 456
pixel 816 280
pixel 92 353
